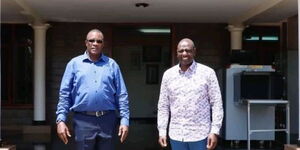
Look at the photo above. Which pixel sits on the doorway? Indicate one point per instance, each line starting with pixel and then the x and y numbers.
pixel 143 54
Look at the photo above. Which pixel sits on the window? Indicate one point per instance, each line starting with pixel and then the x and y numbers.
pixel 262 38
pixel 263 42
pixel 16 65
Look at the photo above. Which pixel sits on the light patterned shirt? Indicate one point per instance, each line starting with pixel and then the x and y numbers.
pixel 189 98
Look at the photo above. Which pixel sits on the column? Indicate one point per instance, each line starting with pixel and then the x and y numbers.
pixel 39 73
pixel 236 33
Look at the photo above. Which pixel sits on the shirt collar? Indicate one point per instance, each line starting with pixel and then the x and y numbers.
pixel 87 58
pixel 191 69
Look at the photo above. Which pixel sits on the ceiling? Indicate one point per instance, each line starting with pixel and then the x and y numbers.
pixel 159 11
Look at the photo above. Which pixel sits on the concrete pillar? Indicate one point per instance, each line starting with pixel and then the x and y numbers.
pixel 236 35
pixel 39 72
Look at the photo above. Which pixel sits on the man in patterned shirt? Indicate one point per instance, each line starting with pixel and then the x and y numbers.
pixel 190 95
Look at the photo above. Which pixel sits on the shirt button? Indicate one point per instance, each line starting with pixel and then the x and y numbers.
pixel 96 91
pixel 95 81
pixel 94 71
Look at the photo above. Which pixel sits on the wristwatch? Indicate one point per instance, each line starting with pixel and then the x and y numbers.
pixel 58 121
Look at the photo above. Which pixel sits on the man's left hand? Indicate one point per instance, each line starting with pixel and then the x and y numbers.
pixel 212 140
pixel 123 132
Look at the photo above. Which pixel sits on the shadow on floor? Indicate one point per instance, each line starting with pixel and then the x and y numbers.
pixel 142 136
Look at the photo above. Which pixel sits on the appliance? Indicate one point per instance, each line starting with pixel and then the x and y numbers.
pixel 243 82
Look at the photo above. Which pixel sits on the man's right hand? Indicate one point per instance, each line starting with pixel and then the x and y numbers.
pixel 63 132
pixel 162 141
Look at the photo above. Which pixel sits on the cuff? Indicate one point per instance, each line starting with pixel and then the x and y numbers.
pixel 215 130
pixel 162 132
pixel 61 117
pixel 124 121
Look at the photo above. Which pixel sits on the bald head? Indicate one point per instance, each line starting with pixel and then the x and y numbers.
pixel 94 44
pixel 187 40
pixel 185 53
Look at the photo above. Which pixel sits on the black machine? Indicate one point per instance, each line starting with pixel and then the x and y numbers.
pixel 258 85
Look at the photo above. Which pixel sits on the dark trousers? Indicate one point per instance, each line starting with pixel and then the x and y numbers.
pixel 95 133
pixel 198 145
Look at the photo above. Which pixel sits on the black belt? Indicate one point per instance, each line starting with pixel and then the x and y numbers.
pixel 95 113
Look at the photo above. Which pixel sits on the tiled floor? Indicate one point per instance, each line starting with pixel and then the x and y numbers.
pixel 143 136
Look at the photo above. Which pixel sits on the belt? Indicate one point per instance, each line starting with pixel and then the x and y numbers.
pixel 95 113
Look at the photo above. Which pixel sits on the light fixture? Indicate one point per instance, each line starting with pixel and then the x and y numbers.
pixel 154 30
pixel 269 38
pixel 252 38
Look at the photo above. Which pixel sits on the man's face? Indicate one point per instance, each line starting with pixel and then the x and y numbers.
pixel 94 43
pixel 185 53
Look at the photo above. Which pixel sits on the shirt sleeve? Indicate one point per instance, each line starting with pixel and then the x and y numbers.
pixel 65 98
pixel 122 97
pixel 163 108
pixel 216 103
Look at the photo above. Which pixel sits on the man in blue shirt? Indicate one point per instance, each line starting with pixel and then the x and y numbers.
pixel 93 88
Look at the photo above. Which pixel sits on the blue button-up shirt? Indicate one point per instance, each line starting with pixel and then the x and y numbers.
pixel 93 86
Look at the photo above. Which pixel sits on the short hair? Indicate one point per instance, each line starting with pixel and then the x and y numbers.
pixel 95 30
